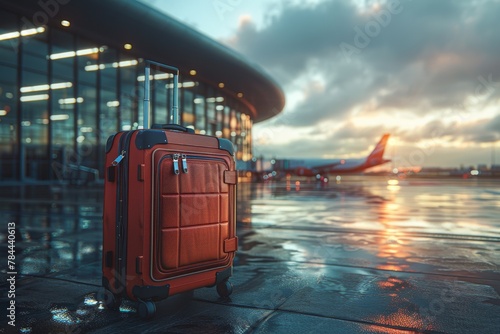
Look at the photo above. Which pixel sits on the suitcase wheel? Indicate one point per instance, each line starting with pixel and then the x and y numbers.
pixel 147 309
pixel 111 301
pixel 225 289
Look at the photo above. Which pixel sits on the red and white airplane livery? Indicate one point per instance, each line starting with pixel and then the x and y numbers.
pixel 342 166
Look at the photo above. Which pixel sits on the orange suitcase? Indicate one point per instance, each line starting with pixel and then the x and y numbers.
pixel 169 212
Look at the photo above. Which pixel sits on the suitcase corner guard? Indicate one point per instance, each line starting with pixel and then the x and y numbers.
pixel 227 145
pixel 231 245
pixel 224 275
pixel 148 292
pixel 109 142
pixel 148 138
pixel 230 177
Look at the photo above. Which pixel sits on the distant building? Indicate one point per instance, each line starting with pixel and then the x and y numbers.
pixel 70 76
pixel 482 167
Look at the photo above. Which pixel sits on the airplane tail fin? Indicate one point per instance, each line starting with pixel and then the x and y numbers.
pixel 377 155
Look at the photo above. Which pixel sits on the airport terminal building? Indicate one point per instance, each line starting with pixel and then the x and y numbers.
pixel 72 75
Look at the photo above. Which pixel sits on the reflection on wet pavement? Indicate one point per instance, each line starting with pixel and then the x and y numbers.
pixel 417 256
pixel 56 230
pixel 359 256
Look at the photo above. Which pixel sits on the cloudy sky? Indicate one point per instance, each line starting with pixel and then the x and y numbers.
pixel 426 71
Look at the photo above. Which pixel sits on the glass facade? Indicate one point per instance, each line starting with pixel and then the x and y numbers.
pixel 62 96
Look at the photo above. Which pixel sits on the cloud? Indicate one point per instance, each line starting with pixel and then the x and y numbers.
pixel 346 141
pixel 296 36
pixel 339 61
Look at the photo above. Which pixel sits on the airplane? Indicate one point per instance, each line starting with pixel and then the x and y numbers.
pixel 343 166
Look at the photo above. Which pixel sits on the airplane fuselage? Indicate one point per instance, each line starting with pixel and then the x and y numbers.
pixel 316 168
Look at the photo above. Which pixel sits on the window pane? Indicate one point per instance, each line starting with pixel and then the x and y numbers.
pixel 9 146
pixel 199 109
pixel 8 46
pixel 35 52
pixel 187 107
pixel 160 87
pixel 9 157
pixel 34 122
pixel 128 98
pixel 226 132
pixel 219 116
pixel 210 99
pixel 87 108
pixel 63 105
pixel 109 108
pixel 35 107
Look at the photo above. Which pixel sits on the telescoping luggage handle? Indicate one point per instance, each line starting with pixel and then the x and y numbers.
pixel 175 97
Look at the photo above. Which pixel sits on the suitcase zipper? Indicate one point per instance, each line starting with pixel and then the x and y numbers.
pixel 122 211
pixel 200 157
pixel 184 163
pixel 175 159
pixel 119 158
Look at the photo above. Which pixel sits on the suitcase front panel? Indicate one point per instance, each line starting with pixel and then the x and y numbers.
pixel 191 213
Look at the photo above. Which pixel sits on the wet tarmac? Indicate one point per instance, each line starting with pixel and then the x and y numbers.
pixel 361 256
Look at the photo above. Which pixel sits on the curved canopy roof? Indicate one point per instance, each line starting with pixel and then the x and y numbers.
pixel 159 37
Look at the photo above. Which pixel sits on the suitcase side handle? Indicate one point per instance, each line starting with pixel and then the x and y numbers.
pixel 175 98
pixel 175 127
